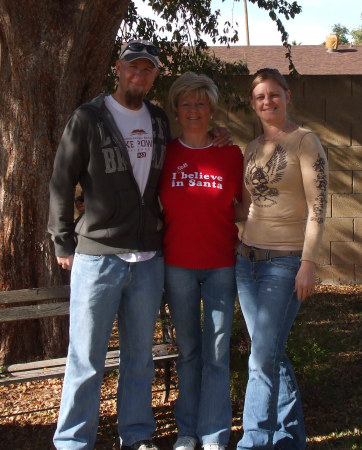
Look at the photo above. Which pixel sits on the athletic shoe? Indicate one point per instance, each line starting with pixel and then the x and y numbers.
pixel 185 443
pixel 141 445
pixel 213 447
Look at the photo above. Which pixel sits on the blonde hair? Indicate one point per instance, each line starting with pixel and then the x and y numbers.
pixel 191 82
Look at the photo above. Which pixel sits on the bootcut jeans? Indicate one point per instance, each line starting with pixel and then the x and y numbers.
pixel 103 287
pixel 203 407
pixel 273 416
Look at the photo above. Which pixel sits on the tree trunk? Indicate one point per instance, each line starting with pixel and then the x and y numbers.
pixel 54 56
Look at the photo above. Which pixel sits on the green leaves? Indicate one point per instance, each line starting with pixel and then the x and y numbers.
pixel 341 32
pixel 181 34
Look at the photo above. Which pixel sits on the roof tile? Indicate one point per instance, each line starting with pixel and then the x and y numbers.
pixel 308 59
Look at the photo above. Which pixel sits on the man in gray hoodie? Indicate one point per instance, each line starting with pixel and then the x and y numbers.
pixel 114 147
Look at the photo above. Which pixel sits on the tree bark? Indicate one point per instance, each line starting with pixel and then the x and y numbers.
pixel 54 56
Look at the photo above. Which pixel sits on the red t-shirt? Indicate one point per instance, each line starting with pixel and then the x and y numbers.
pixel 197 189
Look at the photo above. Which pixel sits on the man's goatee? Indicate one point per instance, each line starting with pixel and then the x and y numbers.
pixel 133 99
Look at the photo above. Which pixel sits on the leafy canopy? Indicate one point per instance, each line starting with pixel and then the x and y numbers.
pixel 180 34
pixel 356 34
pixel 341 32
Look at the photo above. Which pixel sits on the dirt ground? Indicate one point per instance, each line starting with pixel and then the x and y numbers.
pixel 328 368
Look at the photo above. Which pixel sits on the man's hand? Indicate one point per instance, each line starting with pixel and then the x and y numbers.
pixel 221 136
pixel 66 262
pixel 305 280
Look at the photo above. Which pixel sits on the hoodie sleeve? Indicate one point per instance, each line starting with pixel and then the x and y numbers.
pixel 70 161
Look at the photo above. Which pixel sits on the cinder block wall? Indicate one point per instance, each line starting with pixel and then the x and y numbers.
pixel 331 106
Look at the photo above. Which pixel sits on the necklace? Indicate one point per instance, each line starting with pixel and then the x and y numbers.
pixel 273 137
pixel 284 130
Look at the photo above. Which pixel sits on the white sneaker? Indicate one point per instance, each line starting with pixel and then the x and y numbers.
pixel 185 443
pixel 213 447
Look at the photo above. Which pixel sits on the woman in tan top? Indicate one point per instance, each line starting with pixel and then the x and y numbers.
pixel 284 202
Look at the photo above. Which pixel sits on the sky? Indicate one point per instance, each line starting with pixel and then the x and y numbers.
pixel 310 27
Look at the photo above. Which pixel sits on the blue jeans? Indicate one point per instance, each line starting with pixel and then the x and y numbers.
pixel 203 407
pixel 273 416
pixel 101 288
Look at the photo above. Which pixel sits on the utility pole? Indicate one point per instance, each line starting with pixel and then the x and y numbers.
pixel 246 22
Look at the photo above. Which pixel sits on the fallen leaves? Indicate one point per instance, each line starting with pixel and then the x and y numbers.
pixel 28 412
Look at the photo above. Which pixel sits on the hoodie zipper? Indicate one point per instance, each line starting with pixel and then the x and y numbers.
pixel 117 136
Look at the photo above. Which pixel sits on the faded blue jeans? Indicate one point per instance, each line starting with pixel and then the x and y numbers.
pixel 101 288
pixel 203 407
pixel 273 416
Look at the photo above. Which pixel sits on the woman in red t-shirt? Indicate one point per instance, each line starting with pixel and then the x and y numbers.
pixel 198 188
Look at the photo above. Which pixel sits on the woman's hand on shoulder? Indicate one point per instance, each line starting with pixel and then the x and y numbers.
pixel 305 280
pixel 221 136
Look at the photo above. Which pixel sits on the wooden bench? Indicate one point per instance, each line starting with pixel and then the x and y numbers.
pixel 163 354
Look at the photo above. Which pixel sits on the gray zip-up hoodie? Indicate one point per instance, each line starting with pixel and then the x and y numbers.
pixel 117 218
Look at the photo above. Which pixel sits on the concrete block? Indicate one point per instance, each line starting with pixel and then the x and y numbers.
pixel 324 254
pixel 329 206
pixel 338 132
pixel 346 253
pixel 296 86
pixel 336 274
pixel 358 230
pixel 243 127
pixel 357 181
pixel 345 158
pixel 338 230
pixel 343 109
pixel 241 135
pixel 330 134
pixel 346 205
pixel 356 81
pixel 328 86
pixel 309 110
pixel 359 274
pixel 356 134
pixel 340 182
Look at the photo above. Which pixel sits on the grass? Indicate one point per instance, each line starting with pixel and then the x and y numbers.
pixel 325 348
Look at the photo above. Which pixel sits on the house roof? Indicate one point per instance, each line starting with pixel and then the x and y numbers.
pixel 308 59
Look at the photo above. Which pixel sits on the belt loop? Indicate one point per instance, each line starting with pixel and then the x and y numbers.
pixel 267 253
pixel 251 255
